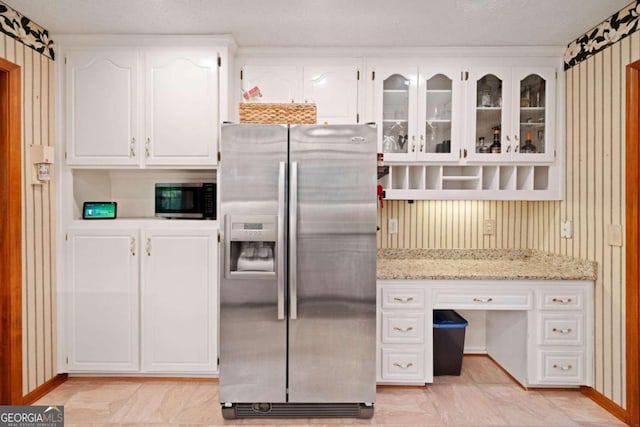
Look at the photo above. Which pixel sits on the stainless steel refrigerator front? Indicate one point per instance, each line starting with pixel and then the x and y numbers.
pixel 297 320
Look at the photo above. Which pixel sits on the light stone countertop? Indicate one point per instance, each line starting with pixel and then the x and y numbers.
pixel 487 264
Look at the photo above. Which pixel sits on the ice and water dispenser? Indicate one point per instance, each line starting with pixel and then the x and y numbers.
pixel 251 246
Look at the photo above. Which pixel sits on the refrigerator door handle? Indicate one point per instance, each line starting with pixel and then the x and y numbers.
pixel 280 243
pixel 293 242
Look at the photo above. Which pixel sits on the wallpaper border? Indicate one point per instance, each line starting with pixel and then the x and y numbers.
pixel 21 28
pixel 620 25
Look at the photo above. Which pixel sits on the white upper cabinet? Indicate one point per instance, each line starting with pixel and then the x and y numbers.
pixel 332 85
pixel 511 114
pixel 419 111
pixel 102 107
pixel 277 84
pixel 440 115
pixel 181 107
pixel 466 129
pixel 395 98
pixel 334 90
pixel 142 107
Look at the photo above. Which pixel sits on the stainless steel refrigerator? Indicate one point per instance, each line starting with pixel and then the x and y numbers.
pixel 298 270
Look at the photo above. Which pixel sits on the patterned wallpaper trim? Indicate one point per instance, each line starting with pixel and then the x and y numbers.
pixel 620 25
pixel 21 28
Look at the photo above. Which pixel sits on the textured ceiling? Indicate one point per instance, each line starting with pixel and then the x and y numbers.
pixel 332 22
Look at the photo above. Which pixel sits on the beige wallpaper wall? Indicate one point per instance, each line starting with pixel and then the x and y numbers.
pixel 38 210
pixel 595 143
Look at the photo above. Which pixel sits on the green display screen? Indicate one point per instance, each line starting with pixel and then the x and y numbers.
pixel 99 210
pixel 253 226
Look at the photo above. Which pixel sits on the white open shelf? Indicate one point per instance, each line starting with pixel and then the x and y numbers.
pixel 468 182
pixel 133 190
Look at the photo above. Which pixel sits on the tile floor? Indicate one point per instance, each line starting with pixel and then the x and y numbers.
pixel 481 396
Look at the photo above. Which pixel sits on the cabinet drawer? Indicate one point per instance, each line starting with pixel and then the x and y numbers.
pixel 400 327
pixel 561 367
pixel 411 298
pixel 560 329
pixel 483 299
pixel 571 299
pixel 403 364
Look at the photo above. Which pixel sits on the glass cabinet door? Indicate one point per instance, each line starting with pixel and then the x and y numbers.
pixel 438 123
pixel 489 115
pixel 438 114
pixel 533 118
pixel 489 138
pixel 395 114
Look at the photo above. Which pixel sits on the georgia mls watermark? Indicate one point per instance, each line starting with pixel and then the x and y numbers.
pixel 31 416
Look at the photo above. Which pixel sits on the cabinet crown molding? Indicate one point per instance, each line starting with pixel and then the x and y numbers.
pixel 409 51
pixel 136 40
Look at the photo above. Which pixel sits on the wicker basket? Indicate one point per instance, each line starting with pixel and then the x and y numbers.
pixel 278 113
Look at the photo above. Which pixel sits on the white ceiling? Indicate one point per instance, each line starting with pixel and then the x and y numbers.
pixel 385 23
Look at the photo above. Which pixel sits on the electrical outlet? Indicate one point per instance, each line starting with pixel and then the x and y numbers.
pixel 393 226
pixel 614 235
pixel 566 230
pixel 490 227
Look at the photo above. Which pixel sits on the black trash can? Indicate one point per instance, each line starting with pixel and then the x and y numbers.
pixel 448 342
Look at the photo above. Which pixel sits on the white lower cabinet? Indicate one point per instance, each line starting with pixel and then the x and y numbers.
pixel 541 332
pixel 142 300
pixel 561 336
pixel 404 332
pixel 179 301
pixel 103 300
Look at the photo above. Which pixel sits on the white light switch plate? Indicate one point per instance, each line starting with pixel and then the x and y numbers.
pixel 614 235
pixel 566 230
pixel 393 226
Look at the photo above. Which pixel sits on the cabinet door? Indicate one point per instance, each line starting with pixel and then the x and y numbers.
pixel 277 83
pixel 181 107
pixel 396 104
pixel 334 90
pixel 534 114
pixel 102 268
pixel 101 107
pixel 439 114
pixel 179 300
pixel 489 109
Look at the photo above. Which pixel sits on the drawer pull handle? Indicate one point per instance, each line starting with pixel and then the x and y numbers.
pixel 562 331
pixel 483 300
pixel 407 366
pixel 403 300
pixel 562 300
pixel 563 368
pixel 407 329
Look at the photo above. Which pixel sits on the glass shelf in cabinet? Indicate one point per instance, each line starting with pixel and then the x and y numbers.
pixel 439 91
pixel 488 108
pixel 395 90
pixel 532 124
pixel 438 121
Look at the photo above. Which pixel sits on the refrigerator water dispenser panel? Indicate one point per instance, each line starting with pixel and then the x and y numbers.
pixel 251 246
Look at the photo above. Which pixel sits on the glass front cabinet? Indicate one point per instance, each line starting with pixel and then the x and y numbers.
pixel 510 115
pixel 419 110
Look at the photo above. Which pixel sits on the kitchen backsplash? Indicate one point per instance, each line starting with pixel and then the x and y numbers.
pixel 452 224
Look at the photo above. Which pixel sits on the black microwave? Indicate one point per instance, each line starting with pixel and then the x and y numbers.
pixel 188 200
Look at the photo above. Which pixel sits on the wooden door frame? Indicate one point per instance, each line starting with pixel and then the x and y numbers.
pixel 11 234
pixel 632 196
